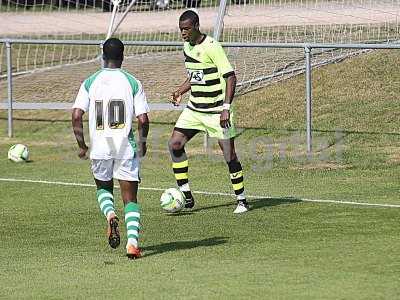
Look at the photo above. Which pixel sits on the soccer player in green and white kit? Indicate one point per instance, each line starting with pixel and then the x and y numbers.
pixel 211 81
pixel 113 97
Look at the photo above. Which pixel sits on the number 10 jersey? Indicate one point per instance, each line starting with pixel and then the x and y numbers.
pixel 112 97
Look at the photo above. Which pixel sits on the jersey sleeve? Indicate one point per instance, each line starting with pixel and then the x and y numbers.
pixel 218 56
pixel 82 99
pixel 140 101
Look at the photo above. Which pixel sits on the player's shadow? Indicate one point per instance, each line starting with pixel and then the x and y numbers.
pixel 255 203
pixel 180 213
pixel 273 201
pixel 183 245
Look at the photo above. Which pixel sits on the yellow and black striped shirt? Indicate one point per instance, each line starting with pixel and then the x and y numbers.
pixel 207 67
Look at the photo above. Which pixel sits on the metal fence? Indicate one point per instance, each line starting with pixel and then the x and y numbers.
pixel 307 48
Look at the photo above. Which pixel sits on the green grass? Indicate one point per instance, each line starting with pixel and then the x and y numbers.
pixel 53 243
pixel 52 236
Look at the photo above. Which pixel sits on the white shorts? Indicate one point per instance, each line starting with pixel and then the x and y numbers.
pixel 123 169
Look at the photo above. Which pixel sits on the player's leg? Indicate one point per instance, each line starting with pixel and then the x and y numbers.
pixel 127 173
pixel 187 126
pixel 235 172
pixel 105 197
pixel 180 164
pixel 132 216
pixel 102 172
pixel 226 141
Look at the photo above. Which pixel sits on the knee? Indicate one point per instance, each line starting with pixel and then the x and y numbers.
pixel 174 145
pixel 176 148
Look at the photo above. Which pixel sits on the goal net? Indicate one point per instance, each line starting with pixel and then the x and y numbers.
pixel 161 68
pixel 280 21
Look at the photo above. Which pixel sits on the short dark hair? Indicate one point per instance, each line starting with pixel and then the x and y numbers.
pixel 113 49
pixel 190 15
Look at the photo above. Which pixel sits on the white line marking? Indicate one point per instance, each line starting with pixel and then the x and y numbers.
pixel 209 193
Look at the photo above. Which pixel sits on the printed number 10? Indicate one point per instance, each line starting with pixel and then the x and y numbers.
pixel 115 111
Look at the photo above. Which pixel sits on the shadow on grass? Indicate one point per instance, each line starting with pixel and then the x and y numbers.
pixel 255 203
pixel 179 213
pixel 183 245
pixel 266 202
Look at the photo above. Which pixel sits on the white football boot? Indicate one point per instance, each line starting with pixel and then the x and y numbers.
pixel 242 207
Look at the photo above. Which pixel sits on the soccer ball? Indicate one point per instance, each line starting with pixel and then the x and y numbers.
pixel 18 153
pixel 172 200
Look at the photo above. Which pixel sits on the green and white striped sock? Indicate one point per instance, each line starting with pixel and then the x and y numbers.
pixel 106 202
pixel 132 219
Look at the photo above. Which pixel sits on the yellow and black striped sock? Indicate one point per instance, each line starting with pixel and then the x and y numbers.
pixel 181 176
pixel 236 174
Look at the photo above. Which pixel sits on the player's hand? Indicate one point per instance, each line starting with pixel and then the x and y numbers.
pixel 82 152
pixel 176 98
pixel 225 119
pixel 142 149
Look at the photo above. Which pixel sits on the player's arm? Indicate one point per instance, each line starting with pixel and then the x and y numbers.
pixel 218 56
pixel 229 94
pixel 77 125
pixel 141 110
pixel 143 130
pixel 182 89
pixel 230 80
pixel 80 106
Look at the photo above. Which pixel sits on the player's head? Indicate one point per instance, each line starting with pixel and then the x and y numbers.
pixel 189 25
pixel 113 50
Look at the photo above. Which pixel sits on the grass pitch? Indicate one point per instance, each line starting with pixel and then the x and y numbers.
pixel 53 242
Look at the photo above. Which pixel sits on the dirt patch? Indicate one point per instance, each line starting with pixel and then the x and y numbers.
pixel 395 159
pixel 62 84
pixel 31 23
pixel 394 155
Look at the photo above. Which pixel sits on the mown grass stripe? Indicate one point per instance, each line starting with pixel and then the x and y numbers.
pixel 211 193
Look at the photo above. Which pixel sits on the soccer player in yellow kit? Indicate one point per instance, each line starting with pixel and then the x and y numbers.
pixel 211 81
